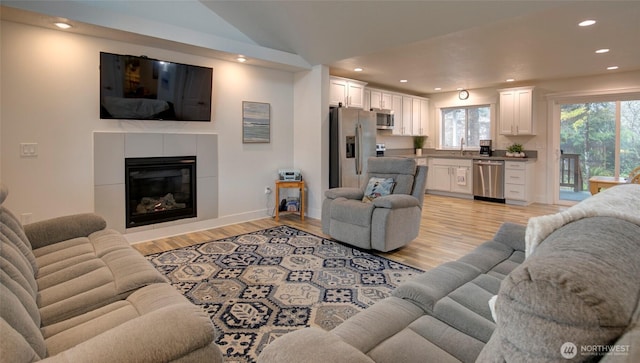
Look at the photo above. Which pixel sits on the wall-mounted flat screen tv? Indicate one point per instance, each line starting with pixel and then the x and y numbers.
pixel 141 88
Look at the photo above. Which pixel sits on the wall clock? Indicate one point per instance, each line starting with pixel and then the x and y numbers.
pixel 463 95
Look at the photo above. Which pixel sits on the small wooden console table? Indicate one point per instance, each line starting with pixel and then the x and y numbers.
pixel 598 182
pixel 290 184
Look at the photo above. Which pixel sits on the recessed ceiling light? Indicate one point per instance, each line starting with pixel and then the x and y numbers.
pixel 612 68
pixel 588 22
pixel 438 89
pixel 62 25
pixel 403 81
pixel 358 69
pixel 603 50
pixel 510 80
pixel 241 59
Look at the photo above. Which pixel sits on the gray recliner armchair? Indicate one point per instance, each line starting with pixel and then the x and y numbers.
pixel 387 222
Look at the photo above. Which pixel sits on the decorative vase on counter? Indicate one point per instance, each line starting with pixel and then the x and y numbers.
pixel 418 144
pixel 515 154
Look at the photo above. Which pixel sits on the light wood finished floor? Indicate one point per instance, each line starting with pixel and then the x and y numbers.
pixel 450 228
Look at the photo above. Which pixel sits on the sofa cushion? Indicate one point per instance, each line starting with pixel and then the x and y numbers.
pixel 494 258
pixel 378 323
pixel 13 233
pixel 147 300
pixel 351 211
pixel 427 289
pixel 17 266
pixel 310 346
pixel 75 289
pixel 579 286
pixel 20 329
pixel 81 274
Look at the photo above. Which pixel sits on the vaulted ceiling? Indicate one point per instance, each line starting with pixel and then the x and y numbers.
pixel 431 44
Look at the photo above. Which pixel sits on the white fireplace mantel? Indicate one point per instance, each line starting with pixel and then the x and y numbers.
pixel 110 150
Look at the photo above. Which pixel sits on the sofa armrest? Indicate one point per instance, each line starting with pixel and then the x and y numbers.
pixel 394 201
pixel 311 345
pixel 348 193
pixel 163 335
pixel 512 235
pixel 54 230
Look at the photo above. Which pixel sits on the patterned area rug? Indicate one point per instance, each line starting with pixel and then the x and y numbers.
pixel 259 286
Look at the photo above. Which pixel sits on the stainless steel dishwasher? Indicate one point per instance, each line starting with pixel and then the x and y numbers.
pixel 488 180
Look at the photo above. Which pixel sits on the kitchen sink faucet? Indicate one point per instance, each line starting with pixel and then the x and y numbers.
pixel 461 145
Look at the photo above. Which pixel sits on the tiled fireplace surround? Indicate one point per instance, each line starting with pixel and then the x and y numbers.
pixel 110 150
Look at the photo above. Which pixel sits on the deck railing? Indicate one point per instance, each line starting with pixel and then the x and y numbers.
pixel 570 172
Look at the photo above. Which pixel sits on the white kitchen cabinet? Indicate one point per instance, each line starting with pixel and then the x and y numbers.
pixel 415 115
pixel 420 119
pixel 517 111
pixel 517 182
pixel 396 107
pixel 366 103
pixel 450 176
pixel 380 99
pixel 349 92
pixel 406 117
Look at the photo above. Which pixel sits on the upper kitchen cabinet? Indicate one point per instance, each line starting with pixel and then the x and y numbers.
pixel 396 107
pixel 349 92
pixel 382 100
pixel 415 116
pixel 516 111
pixel 366 103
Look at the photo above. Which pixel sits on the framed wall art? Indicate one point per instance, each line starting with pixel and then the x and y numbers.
pixel 256 122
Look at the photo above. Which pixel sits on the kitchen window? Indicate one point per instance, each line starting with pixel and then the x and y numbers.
pixel 471 124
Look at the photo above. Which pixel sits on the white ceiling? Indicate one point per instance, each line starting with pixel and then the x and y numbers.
pixel 447 44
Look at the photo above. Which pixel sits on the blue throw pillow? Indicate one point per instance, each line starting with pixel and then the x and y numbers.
pixel 378 187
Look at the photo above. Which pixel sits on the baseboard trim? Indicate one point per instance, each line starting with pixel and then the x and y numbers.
pixel 175 230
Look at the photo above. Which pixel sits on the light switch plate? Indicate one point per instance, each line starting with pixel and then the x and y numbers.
pixel 28 149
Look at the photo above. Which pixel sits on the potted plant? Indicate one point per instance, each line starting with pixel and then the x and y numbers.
pixel 515 150
pixel 418 144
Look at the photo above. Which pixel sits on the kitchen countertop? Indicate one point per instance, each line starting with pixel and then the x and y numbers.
pixel 471 156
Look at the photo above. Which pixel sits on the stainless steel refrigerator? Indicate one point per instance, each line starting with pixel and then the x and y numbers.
pixel 352 141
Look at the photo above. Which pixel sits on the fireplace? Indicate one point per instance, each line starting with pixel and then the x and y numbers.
pixel 159 189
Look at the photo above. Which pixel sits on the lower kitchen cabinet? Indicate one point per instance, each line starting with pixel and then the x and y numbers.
pixel 517 182
pixel 450 176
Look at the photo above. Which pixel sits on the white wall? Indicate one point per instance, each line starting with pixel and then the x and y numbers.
pixel 50 90
pixel 311 134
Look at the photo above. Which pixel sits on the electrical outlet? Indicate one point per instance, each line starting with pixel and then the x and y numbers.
pixel 267 190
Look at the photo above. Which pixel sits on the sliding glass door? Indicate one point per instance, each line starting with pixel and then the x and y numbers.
pixel 629 136
pixel 596 139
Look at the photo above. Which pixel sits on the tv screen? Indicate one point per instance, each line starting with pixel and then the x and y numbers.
pixel 141 88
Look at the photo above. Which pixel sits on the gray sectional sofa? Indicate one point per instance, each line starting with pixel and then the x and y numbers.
pixel 73 291
pixel 567 288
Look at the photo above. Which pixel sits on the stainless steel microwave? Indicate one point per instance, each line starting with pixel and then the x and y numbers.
pixel 384 119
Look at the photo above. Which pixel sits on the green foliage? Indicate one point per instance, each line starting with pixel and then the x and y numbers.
pixel 418 142
pixel 589 130
pixel 515 148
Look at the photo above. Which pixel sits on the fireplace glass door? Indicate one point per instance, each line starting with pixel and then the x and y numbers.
pixel 160 189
